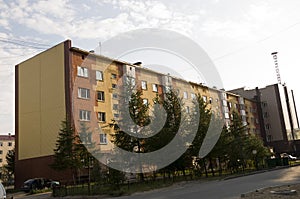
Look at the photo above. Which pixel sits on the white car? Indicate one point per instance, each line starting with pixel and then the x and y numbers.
pixel 2 191
pixel 292 157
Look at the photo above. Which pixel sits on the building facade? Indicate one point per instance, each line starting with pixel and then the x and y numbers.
pixel 7 143
pixel 276 106
pixel 68 83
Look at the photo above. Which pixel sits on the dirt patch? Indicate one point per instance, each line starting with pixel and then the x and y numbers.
pixel 286 191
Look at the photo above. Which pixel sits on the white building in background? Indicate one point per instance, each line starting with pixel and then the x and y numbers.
pixel 279 116
pixel 7 143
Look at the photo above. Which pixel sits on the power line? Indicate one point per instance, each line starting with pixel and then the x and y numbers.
pixel 22 44
pixel 26 42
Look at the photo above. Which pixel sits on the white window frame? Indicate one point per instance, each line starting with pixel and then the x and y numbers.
pixel 101 116
pixel 82 71
pixel 84 93
pixel 115 96
pixel 155 88
pixel 185 94
pixel 145 101
pixel 84 115
pixel 102 94
pixel 99 75
pixel 103 138
pixel 204 98
pixel 115 107
pixel 114 76
pixel 193 96
pixel 187 109
pixel 144 85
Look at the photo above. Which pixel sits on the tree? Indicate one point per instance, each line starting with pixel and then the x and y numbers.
pixel 237 142
pixel 10 159
pixel 256 151
pixel 66 151
pixel 136 118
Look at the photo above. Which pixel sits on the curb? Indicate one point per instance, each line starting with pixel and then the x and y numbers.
pixel 257 172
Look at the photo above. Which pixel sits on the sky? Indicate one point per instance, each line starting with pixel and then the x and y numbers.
pixel 238 35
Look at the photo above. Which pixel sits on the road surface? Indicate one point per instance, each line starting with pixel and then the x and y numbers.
pixel 225 189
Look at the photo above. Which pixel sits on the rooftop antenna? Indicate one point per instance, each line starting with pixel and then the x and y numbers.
pixel 100 46
pixel 274 54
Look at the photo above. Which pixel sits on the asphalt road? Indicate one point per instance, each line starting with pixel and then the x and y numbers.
pixel 231 188
pixel 223 189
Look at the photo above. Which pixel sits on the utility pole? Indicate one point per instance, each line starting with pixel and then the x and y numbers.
pixel 274 54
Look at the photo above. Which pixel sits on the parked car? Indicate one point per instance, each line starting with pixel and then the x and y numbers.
pixel 290 157
pixel 2 191
pixel 38 183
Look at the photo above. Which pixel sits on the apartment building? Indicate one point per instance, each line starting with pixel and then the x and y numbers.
pixel 276 105
pixel 65 82
pixel 7 143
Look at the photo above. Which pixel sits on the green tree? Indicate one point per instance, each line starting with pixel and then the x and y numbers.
pixel 170 115
pixel 256 151
pixel 66 151
pixel 134 114
pixel 204 114
pixel 237 142
pixel 10 159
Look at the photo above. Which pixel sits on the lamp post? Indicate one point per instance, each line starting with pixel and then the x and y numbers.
pixel 254 152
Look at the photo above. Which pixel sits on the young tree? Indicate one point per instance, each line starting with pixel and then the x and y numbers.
pixel 237 142
pixel 66 152
pixel 10 159
pixel 134 115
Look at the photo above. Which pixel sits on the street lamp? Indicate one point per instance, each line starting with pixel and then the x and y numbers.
pixel 254 152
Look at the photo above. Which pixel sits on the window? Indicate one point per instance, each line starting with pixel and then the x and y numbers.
pixel 268 126
pixel 210 100
pixel 115 96
pixel 101 116
pixel 99 75
pixel 116 115
pixel 114 86
pixel 1 160
pixel 100 96
pixel 269 138
pixel 82 72
pixel 84 115
pixel 103 138
pixel 227 115
pixel 144 85
pixel 229 104
pixel 264 104
pixel 84 93
pixel 193 96
pixel 1 152
pixel 204 98
pixel 114 76
pixel 115 106
pixel 154 87
pixel 145 101
pixel 266 114
pixel 1 143
pixel 185 95
pixel 187 109
pixel 224 103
